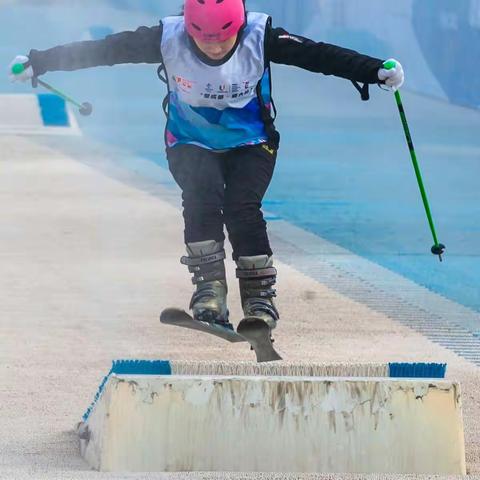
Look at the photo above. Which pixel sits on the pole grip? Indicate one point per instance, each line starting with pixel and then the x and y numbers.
pixel 19 68
pixel 390 65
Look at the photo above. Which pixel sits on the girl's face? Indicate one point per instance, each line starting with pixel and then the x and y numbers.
pixel 216 50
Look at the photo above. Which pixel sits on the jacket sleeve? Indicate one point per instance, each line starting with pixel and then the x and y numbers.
pixel 284 48
pixel 140 46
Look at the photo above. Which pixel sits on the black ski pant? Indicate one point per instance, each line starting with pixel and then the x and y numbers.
pixel 225 188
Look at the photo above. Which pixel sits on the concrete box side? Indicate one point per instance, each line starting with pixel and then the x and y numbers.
pixel 279 425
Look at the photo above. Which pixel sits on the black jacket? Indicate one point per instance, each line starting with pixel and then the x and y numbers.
pixel 143 46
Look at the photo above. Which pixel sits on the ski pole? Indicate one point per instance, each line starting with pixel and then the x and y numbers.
pixel 85 108
pixel 438 248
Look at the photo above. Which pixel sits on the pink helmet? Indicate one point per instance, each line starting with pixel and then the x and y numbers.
pixel 214 20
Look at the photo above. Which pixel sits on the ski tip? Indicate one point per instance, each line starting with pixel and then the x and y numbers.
pixel 258 333
pixel 168 313
pixel 274 357
pixel 253 323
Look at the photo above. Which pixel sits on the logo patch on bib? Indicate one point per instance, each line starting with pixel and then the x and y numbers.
pixel 183 84
pixel 233 90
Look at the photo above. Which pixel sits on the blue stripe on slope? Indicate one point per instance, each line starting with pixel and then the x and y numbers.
pixel 53 110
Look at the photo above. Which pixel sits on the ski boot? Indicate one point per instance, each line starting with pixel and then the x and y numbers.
pixel 209 302
pixel 257 277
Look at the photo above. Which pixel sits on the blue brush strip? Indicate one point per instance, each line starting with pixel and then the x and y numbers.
pixel 417 370
pixel 130 367
pixel 141 367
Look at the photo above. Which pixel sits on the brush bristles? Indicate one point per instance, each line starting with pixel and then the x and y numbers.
pixel 283 369
pixel 279 369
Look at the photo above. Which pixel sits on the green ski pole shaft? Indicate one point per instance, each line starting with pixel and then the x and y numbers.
pixel 415 165
pixel 57 92
pixel 84 108
pixel 438 248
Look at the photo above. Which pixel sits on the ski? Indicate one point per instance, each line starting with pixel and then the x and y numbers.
pixel 258 334
pixel 251 329
pixel 180 318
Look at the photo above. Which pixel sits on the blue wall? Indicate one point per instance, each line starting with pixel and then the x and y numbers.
pixel 439 40
pixel 448 33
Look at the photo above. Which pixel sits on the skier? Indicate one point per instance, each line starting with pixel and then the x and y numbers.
pixel 221 142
